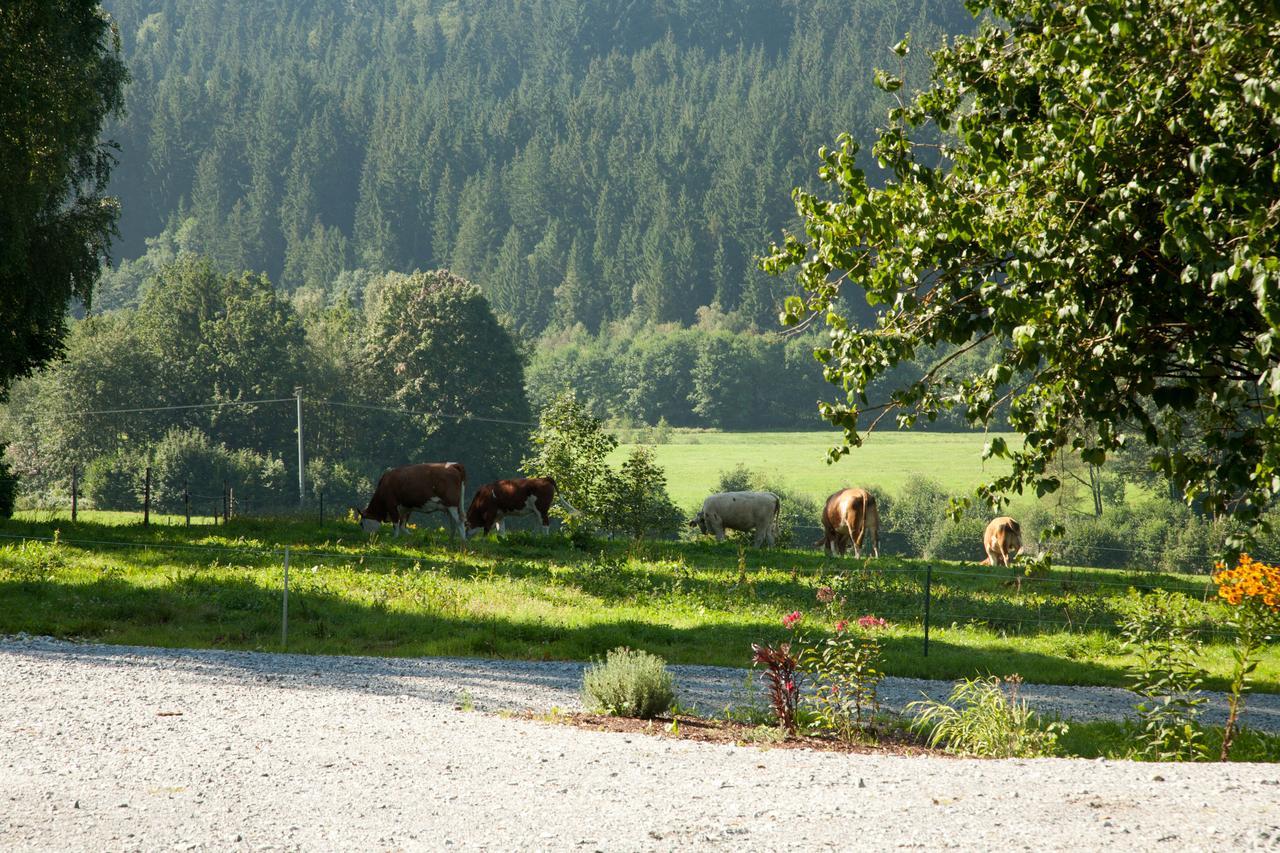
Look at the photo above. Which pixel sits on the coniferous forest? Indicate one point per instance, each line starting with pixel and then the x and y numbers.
pixel 582 162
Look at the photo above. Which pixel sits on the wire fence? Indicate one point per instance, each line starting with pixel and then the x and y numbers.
pixel 919 595
pixel 203 501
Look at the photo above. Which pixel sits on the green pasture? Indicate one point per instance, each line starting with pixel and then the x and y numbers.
pixel 798 460
pixel 534 598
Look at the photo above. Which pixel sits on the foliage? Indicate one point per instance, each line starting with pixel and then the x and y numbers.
pixel 637 503
pixel 580 162
pixel 340 485
pixel 188 461
pixel 919 509
pixel 782 673
pixel 61 78
pixel 957 540
pixel 981 717
pixel 1159 629
pixel 1253 591
pixel 1063 165
pixel 629 683
pixel 797 515
pixel 432 346
pixel 112 481
pixel 570 446
pixel 846 671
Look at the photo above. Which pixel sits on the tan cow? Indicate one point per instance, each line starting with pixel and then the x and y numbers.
pixel 426 487
pixel 1002 541
pixel 850 514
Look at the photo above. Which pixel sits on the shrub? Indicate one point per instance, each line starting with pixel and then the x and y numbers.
pixel 919 511
pixel 846 674
pixel 1252 589
pixel 1101 542
pixel 629 683
pixel 114 481
pixel 341 485
pixel 637 502
pixel 957 540
pixel 1160 629
pixel 981 718
pixel 782 675
pixel 189 456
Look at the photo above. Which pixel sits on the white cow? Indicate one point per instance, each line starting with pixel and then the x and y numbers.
pixel 743 511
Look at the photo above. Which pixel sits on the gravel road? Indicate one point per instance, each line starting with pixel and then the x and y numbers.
pixel 107 748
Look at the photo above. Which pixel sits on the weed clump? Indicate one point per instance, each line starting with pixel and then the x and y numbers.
pixel 980 718
pixel 629 683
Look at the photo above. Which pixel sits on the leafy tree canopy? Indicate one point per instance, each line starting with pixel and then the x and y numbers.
pixel 60 77
pixel 433 345
pixel 1105 205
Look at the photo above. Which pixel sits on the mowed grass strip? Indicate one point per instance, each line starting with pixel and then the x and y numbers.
pixel 540 598
pixel 693 461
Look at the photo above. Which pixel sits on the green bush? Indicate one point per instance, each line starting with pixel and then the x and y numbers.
pixel 957 540
pixel 919 511
pixel 1103 542
pixel 628 683
pixel 981 718
pixel 114 481
pixel 638 504
pixel 188 456
pixel 340 483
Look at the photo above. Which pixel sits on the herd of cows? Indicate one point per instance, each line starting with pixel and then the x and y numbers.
pixel 849 518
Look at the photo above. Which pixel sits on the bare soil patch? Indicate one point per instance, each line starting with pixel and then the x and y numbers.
pixel 728 732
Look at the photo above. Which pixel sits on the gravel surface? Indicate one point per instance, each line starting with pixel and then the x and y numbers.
pixel 143 749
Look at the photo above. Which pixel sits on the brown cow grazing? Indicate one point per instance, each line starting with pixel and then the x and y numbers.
pixel 426 487
pixel 1002 541
pixel 505 498
pixel 848 516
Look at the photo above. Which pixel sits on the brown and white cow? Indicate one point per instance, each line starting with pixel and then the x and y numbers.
pixel 1002 541
pixel 506 498
pixel 848 516
pixel 757 511
pixel 425 487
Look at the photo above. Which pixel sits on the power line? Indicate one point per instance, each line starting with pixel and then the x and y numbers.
pixel 455 415
pixel 176 408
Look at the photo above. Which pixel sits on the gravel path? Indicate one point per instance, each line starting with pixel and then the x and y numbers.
pixel 143 749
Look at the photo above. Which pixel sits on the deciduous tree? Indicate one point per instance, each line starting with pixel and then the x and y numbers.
pixel 1105 204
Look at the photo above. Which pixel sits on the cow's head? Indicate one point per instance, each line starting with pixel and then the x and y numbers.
pixel 475 512
pixel 699 521
pixel 367 524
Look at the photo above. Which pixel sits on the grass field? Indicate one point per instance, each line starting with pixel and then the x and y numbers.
pixel 694 460
pixel 533 598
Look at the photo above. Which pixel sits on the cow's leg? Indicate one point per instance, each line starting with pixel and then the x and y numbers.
pixel 719 533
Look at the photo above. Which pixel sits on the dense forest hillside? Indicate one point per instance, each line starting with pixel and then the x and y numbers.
pixel 583 162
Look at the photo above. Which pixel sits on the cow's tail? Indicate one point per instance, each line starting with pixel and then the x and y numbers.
pixel 773 525
pixel 462 499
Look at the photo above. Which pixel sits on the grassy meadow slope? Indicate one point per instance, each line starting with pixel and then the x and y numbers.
pixel 694 460
pixel 534 598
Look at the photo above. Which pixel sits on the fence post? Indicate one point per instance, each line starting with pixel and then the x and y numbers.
pixel 928 582
pixel 146 499
pixel 226 505
pixel 75 491
pixel 186 501
pixel 231 501
pixel 321 496
pixel 284 615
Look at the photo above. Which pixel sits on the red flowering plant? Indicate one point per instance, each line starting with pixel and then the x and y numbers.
pixel 845 668
pixel 782 674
